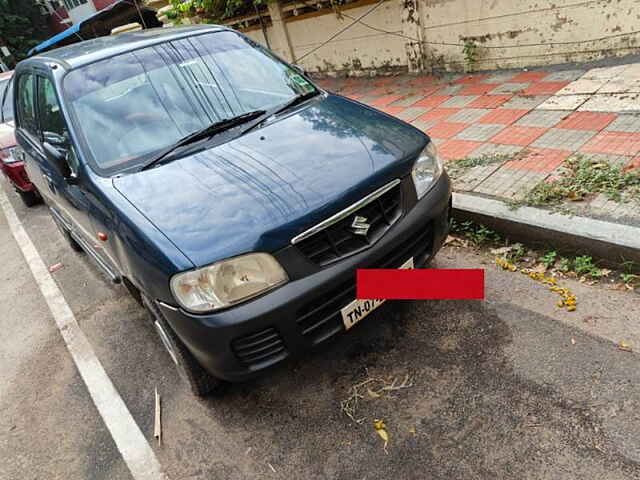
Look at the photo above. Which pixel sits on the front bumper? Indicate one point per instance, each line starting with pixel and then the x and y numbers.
pixel 237 343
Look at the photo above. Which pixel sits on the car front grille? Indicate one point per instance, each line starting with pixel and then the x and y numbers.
pixel 260 348
pixel 340 240
pixel 321 318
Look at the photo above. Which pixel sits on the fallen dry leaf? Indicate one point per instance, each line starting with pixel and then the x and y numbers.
pixel 502 250
pixel 625 347
pixel 382 432
pixel 573 341
pixel 540 268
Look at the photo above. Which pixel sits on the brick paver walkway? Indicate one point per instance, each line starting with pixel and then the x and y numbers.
pixel 542 117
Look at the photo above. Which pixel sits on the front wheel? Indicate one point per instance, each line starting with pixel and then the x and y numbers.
pixel 199 381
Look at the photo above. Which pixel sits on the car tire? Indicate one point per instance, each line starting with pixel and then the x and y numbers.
pixel 29 198
pixel 199 381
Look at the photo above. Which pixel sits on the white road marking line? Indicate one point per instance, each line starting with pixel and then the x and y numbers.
pixel 134 448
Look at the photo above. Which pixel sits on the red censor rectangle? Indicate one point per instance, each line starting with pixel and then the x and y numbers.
pixel 427 284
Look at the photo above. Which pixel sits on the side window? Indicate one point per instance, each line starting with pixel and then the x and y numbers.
pixel 51 119
pixel 52 123
pixel 26 104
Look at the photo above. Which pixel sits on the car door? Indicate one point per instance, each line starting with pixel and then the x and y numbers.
pixel 29 148
pixel 67 195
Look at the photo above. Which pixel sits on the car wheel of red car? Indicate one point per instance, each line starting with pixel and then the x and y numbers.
pixel 200 381
pixel 29 198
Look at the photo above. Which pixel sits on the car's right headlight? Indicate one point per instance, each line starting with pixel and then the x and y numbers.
pixel 227 282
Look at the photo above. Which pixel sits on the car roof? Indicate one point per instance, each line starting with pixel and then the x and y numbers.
pixel 89 51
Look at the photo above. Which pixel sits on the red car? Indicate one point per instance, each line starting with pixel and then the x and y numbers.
pixel 11 166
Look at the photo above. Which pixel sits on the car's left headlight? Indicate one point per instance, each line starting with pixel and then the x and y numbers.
pixel 427 169
pixel 227 282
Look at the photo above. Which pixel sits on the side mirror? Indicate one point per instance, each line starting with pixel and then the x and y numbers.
pixel 58 159
pixel 299 69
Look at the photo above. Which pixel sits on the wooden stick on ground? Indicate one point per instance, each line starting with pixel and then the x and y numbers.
pixel 157 429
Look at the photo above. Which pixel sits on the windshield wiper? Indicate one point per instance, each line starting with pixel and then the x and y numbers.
pixel 206 132
pixel 281 108
pixel 296 101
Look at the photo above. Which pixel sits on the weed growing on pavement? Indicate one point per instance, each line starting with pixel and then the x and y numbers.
pixel 549 258
pixel 583 265
pixel 581 177
pixel 475 233
pixel 564 265
pixel 516 256
pixel 630 279
pixel 456 168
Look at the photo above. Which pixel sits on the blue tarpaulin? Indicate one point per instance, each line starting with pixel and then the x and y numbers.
pixel 73 30
pixel 101 23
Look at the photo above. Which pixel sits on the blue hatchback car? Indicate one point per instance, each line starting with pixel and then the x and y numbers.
pixel 232 196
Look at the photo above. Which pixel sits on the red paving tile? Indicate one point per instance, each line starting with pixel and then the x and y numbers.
pixel 522 136
pixel 544 88
pixel 436 114
pixel 587 121
pixel 385 100
pixel 382 81
pixel 447 130
pixel 471 79
pixel 503 116
pixel 541 160
pixel 392 110
pixel 455 149
pixel 489 101
pixel 424 80
pixel 354 96
pixel 525 77
pixel 479 89
pixel 432 101
pixel 615 143
pixel 380 91
pixel 426 89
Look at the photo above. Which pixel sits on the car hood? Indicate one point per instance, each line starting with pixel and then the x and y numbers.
pixel 259 190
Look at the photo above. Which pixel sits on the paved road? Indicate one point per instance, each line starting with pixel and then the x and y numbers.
pixel 499 389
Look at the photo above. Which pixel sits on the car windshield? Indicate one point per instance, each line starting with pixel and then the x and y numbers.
pixel 138 103
pixel 7 106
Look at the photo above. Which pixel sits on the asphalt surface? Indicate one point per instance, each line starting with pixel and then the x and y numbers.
pixel 509 387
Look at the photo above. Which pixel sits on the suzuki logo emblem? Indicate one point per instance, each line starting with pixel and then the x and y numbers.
pixel 359 226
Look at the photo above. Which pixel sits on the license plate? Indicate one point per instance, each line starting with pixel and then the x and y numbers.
pixel 360 308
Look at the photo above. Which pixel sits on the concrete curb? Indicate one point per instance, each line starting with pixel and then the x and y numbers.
pixel 610 241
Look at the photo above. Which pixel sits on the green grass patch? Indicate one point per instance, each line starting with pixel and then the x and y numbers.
pixel 584 176
pixel 456 168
